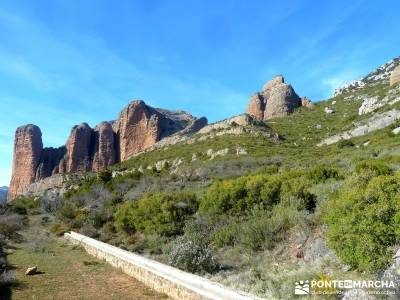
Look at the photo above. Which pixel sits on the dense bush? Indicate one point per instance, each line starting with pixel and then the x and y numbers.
pixel 161 213
pixel 374 167
pixel 24 205
pixel 322 173
pixel 240 196
pixel 193 252
pixel 364 222
pixel 261 230
pixel 9 226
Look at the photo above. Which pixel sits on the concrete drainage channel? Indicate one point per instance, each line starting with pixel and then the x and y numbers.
pixel 162 278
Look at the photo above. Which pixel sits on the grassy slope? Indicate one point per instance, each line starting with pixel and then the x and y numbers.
pixel 68 272
pixel 301 130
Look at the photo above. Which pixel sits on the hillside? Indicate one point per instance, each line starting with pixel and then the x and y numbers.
pixel 253 203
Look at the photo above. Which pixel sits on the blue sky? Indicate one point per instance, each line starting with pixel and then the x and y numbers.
pixel 65 62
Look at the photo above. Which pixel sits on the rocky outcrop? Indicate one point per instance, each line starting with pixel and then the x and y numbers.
pixel 376 122
pixel 376 77
pixel 28 148
pixel 105 149
pixel 256 106
pixel 49 162
pixel 395 76
pixel 282 101
pixel 138 127
pixel 79 148
pixel 305 102
pixel 277 99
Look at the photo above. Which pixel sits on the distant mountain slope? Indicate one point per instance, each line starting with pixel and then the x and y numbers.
pixel 3 193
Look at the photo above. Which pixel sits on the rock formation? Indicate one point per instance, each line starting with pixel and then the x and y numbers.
pixel 256 106
pixel 395 76
pixel 79 148
pixel 28 148
pixel 106 149
pixel 277 99
pixel 138 127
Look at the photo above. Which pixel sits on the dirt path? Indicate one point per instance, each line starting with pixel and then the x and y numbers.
pixel 67 272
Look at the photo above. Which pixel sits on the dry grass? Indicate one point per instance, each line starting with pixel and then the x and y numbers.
pixel 67 272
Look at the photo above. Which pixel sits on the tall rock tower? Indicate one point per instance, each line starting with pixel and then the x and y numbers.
pixel 28 148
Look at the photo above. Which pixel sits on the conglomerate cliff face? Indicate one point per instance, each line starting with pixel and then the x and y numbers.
pixel 28 149
pixel 138 127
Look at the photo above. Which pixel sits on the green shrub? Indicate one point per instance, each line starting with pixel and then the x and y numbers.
pixel 193 252
pixel 227 234
pixel 374 167
pixel 67 212
pixel 364 223
pixel 24 205
pixel 261 230
pixel 105 176
pixel 161 213
pixel 240 196
pixel 295 192
pixel 59 229
pixel 322 173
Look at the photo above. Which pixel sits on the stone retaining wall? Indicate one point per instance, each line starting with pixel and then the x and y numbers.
pixel 160 277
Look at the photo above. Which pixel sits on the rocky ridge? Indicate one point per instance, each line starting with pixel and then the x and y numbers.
pixel 376 122
pixel 380 75
pixel 199 131
pixel 138 127
pixel 277 99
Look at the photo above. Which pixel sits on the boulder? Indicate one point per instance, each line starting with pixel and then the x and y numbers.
pixel 31 271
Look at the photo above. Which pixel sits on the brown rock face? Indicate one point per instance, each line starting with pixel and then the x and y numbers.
pixel 277 99
pixel 395 76
pixel 139 128
pixel 78 156
pixel 49 162
pixel 105 154
pixel 256 106
pixel 27 152
pixel 281 102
